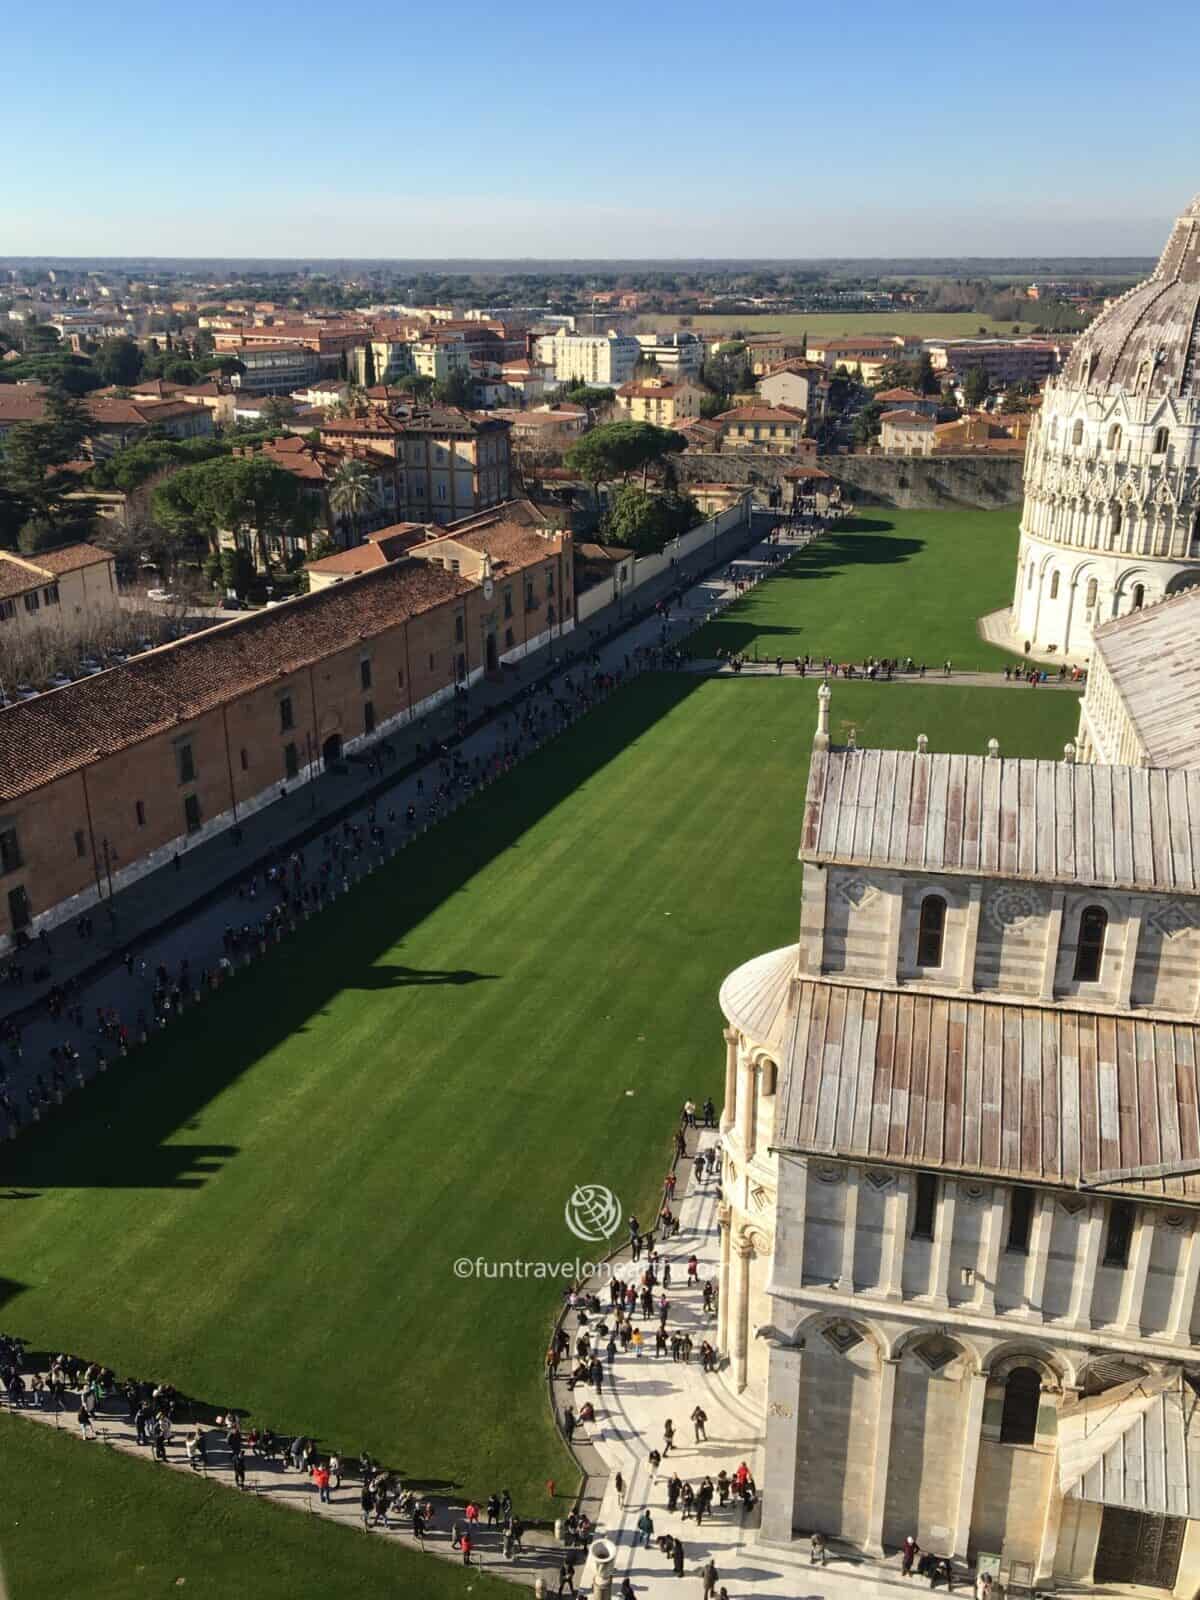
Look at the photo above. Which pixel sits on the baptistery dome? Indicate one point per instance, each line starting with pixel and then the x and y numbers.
pixel 1111 519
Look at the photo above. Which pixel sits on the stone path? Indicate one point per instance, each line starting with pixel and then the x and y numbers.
pixel 955 679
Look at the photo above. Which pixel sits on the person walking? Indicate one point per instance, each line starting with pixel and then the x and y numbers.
pixel 677 1557
pixel 909 1552
pixel 699 1419
pixel 566 1576
pixel 668 1436
pixel 619 1486
pixel 708 1579
pixel 645 1528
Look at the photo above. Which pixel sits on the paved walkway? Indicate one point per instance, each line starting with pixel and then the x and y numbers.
pixel 954 679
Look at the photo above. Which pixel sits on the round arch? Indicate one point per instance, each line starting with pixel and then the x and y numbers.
pixel 827 1325
pixel 909 1340
pixel 1184 580
pixel 1053 1367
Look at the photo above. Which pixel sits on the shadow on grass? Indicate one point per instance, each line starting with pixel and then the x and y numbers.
pixel 115 1133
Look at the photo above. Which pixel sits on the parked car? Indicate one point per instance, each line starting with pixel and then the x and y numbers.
pixel 159 594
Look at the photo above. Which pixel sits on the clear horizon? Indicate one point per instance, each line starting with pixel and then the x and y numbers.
pixel 368 134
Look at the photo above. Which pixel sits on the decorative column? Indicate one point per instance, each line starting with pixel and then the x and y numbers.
pixel 729 1109
pixel 895 1238
pixel 782 1444
pixel 1039 1252
pixel 972 1435
pixel 849 1231
pixel 1045 1561
pixel 725 1223
pixel 741 1314
pixel 1133 929
pixel 989 1254
pixel 1053 936
pixel 1133 1283
pixel 1183 1296
pixel 1087 1254
pixel 748 1109
pixel 877 1496
pixel 966 973
pixel 939 1274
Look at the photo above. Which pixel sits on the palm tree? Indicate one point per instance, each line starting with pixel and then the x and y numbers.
pixel 352 493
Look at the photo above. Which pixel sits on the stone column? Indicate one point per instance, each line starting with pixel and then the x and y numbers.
pixel 966 975
pixel 1087 1254
pixel 729 1109
pixel 849 1231
pixel 989 1253
pixel 1183 1296
pixel 939 1272
pixel 972 1434
pixel 1133 1284
pixel 782 1444
pixel 895 1238
pixel 1045 1561
pixel 725 1222
pixel 748 1109
pixel 1053 937
pixel 1133 929
pixel 740 1312
pixel 1039 1252
pixel 877 1497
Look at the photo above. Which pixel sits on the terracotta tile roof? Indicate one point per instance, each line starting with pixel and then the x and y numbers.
pixel 907 419
pixel 346 563
pixel 82 723
pixel 20 573
pixel 109 412
pixel 652 391
pixel 22 402
pixel 899 396
pixel 511 545
pixel 777 414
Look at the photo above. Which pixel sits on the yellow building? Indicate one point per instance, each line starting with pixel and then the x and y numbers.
pixel 776 430
pixel 55 587
pixel 660 401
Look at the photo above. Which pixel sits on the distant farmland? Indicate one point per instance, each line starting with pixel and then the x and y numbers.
pixel 919 324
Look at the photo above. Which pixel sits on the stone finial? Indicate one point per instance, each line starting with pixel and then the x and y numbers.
pixel 1068 753
pixel 993 749
pixel 922 744
pixel 821 737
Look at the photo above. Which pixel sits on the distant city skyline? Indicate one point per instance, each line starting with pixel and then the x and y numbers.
pixel 352 133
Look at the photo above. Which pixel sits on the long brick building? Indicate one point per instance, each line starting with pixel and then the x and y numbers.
pixel 105 779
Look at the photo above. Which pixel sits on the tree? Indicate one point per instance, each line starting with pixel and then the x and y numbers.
pixel 248 496
pixel 975 386
pixel 237 571
pixel 31 468
pixel 415 384
pixel 926 378
pixel 647 367
pixel 180 371
pixel 866 423
pixel 457 389
pixel 618 449
pixel 352 493
pixel 118 361
pixel 644 522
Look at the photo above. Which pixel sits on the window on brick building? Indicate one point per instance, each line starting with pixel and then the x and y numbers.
pixel 7 610
pixel 33 601
pixel 924 1206
pixel 10 850
pixel 186 761
pixel 50 595
pixel 549 580
pixel 530 595
pixel 368 716
pixel 458 628
pixel 139 811
pixel 287 717
pixel 20 913
pixel 291 761
pixel 191 812
pixel 508 602
pixel 364 672
pixel 244 758
pixel 80 846
pixel 400 678
pixel 508 638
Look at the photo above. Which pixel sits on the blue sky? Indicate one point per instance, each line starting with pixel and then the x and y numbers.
pixel 539 129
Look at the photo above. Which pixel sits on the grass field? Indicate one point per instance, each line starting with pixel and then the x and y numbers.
pixel 917 324
pixel 886 583
pixel 81 1520
pixel 265 1205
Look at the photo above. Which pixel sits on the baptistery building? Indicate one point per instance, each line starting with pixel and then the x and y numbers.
pixel 960 1282
pixel 1111 519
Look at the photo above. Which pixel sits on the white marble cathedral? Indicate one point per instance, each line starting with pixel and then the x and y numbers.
pixel 1111 519
pixel 961 1169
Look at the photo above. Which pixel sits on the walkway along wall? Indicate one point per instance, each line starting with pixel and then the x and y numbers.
pixel 917 483
pixel 690 545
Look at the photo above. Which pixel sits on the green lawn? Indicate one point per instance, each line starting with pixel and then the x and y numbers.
pixel 916 324
pixel 886 583
pixel 265 1205
pixel 81 1520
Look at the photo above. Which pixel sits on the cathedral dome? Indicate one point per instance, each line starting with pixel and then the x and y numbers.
pixel 1148 341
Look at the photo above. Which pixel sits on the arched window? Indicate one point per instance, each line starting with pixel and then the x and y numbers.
pixel 1077 433
pixel 932 931
pixel 1054 586
pixel 1114 436
pixel 1022 1393
pixel 1089 950
pixel 770 1076
pixel 1162 438
pixel 1139 596
pixel 1091 593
